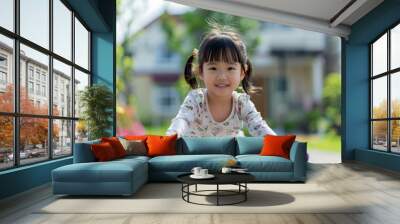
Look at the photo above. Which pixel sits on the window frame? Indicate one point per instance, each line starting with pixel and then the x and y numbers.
pixel 388 74
pixel 16 114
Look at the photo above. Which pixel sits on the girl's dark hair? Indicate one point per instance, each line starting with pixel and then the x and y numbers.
pixel 221 44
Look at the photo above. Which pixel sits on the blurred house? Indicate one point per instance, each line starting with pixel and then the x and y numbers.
pixel 289 65
pixel 156 70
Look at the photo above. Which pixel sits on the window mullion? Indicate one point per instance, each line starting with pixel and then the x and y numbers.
pixel 371 98
pixel 371 89
pixel 389 106
pixel 50 81
pixel 16 84
pixel 73 82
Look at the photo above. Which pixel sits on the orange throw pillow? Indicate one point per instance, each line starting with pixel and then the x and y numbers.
pixel 136 137
pixel 161 145
pixel 103 151
pixel 116 145
pixel 277 145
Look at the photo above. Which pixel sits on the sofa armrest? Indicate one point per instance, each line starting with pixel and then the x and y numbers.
pixel 83 152
pixel 298 155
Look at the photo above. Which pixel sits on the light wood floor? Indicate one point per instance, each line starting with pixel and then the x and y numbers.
pixel 379 188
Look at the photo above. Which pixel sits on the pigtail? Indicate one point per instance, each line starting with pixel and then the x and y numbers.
pixel 246 83
pixel 189 76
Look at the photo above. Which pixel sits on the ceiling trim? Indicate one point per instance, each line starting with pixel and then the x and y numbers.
pixel 269 15
pixel 346 12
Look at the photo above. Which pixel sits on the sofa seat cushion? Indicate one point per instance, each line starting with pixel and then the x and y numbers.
pixel 257 163
pixel 133 158
pixel 185 163
pixel 111 171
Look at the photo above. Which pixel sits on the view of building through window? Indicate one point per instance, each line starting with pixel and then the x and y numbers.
pixel 32 111
pixel 385 79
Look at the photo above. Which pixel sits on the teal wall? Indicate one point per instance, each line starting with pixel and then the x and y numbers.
pixel 102 58
pixel 24 178
pixel 355 88
pixel 103 65
pixel 100 17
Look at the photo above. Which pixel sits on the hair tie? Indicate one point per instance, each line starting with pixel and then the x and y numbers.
pixel 195 52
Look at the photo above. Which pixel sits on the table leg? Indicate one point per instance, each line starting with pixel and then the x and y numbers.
pixel 245 193
pixel 217 194
pixel 188 189
pixel 196 188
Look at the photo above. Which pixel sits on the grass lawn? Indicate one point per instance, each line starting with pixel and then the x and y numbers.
pixel 156 130
pixel 328 143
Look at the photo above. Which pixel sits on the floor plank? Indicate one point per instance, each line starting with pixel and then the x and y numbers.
pixel 376 189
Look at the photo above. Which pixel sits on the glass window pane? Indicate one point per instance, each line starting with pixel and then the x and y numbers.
pixel 7 14
pixel 81 131
pixel 33 140
pixel 81 81
pixel 379 97
pixel 62 89
pixel 81 45
pixel 395 136
pixel 6 74
pixel 62 29
pixel 34 97
pixel 395 47
pixel 395 94
pixel 62 138
pixel 379 135
pixel 6 142
pixel 35 21
pixel 379 55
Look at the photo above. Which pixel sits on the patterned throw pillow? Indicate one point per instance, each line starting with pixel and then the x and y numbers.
pixel 134 147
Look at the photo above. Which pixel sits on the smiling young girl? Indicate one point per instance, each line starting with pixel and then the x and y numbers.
pixel 217 109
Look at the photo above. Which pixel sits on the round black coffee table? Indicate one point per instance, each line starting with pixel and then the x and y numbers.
pixel 239 179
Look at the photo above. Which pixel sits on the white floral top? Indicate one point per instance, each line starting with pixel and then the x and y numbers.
pixel 195 120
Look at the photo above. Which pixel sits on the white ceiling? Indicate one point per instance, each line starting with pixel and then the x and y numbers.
pixel 324 9
pixel 325 16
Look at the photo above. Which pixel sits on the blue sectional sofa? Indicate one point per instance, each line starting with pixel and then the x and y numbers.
pixel 125 176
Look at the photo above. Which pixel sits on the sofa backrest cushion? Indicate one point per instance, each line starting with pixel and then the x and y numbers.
pixel 206 145
pixel 83 153
pixel 249 145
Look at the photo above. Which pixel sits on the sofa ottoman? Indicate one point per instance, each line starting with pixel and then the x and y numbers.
pixel 118 177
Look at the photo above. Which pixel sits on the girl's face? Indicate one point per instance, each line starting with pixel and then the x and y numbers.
pixel 221 78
